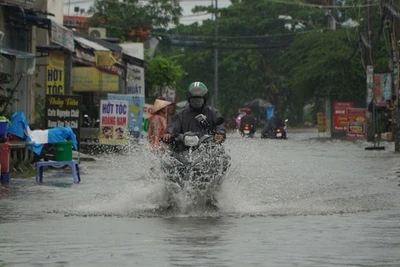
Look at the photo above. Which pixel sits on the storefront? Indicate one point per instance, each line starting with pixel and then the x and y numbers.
pixel 95 73
pixel 17 62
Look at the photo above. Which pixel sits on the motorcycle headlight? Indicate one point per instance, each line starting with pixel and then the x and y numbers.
pixel 191 141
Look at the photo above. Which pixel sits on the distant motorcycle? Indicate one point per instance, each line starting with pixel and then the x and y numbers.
pixel 277 133
pixel 197 165
pixel 247 131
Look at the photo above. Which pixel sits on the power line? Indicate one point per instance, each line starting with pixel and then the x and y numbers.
pixel 240 37
pixel 289 2
pixel 300 3
pixel 111 1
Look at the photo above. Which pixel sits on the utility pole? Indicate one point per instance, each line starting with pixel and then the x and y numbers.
pixel 370 72
pixel 216 57
pixel 395 75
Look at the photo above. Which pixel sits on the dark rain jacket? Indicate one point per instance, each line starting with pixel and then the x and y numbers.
pixel 247 119
pixel 185 121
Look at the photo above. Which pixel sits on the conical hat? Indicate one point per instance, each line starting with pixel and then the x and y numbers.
pixel 160 104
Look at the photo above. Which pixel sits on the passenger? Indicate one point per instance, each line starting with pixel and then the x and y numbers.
pixel 274 122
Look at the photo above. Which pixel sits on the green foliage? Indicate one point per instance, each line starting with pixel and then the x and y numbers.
pixel 40 111
pixel 7 100
pixel 258 57
pixel 251 44
pixel 119 18
pixel 162 73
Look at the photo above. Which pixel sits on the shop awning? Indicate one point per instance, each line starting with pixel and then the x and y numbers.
pixel 13 53
pixel 44 23
pixel 134 60
pixel 20 61
pixel 62 36
pixel 111 46
pixel 89 44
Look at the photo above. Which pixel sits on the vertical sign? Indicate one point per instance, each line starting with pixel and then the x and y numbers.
pixel 382 88
pixel 63 111
pixel 340 116
pixel 321 121
pixel 114 122
pixel 395 72
pixel 370 83
pixel 55 74
pixel 54 82
pixel 147 110
pixel 386 86
pixel 134 80
pixel 356 122
pixel 135 111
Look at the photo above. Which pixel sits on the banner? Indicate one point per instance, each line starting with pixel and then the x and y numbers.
pixel 135 110
pixel 54 82
pixel 62 36
pixel 104 58
pixel 147 110
pixel 89 79
pixel 340 115
pixel 114 122
pixel 356 122
pixel 370 83
pixel 56 60
pixel 135 80
pixel 382 88
pixel 321 121
pixel 63 111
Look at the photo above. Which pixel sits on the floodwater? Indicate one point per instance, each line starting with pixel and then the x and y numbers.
pixel 295 202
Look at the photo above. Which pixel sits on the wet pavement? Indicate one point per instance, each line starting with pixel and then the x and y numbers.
pixel 297 202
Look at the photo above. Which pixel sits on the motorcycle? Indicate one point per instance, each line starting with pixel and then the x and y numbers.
pixel 277 133
pixel 196 166
pixel 247 131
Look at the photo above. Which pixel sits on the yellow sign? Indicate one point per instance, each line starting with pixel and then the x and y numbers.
pixel 104 58
pixel 89 79
pixel 56 60
pixel 321 122
pixel 55 81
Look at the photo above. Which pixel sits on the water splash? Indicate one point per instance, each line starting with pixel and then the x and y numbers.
pixel 253 185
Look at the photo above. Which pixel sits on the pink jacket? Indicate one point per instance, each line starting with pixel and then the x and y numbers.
pixel 157 127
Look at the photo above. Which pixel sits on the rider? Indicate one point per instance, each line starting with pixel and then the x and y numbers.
pixel 184 121
pixel 274 122
pixel 250 120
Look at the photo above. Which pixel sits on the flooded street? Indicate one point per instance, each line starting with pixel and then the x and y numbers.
pixel 295 202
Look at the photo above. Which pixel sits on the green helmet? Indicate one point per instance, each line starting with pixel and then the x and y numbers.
pixel 197 89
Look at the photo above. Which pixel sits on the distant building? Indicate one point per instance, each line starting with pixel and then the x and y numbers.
pixel 76 23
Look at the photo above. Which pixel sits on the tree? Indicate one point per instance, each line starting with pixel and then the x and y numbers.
pixel 132 17
pixel 162 73
pixel 251 42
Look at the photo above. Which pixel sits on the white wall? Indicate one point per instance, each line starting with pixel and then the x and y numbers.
pixel 51 6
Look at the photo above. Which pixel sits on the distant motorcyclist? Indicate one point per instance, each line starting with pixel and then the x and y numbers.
pixel 274 122
pixel 184 121
pixel 250 120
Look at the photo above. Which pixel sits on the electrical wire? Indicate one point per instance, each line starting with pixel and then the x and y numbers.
pixel 289 2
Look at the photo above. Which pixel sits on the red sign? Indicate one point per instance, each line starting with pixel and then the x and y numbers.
pixel 340 115
pixel 356 122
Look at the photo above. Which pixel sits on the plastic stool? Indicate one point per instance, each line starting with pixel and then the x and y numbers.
pixel 73 164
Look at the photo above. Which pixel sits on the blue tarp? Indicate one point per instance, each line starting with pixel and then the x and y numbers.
pixel 19 127
pixel 269 112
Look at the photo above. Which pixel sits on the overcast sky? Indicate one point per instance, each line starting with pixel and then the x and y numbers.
pixel 187 6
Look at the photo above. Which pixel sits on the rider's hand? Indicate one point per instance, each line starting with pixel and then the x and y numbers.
pixel 219 137
pixel 166 137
